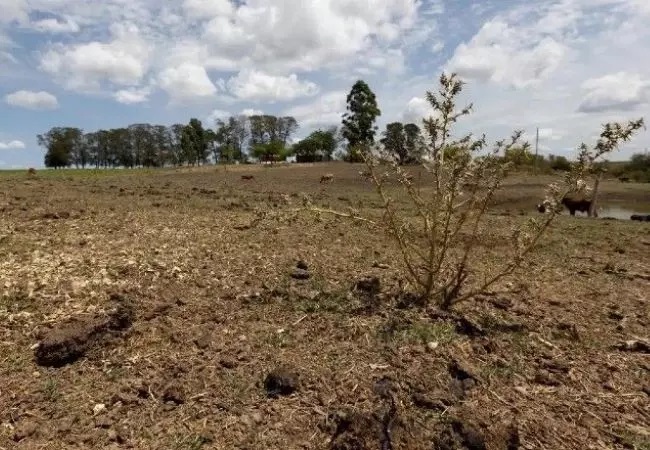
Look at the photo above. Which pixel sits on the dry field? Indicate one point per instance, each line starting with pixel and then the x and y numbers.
pixel 164 310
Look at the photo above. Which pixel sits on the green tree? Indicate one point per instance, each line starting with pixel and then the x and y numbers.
pixel 358 125
pixel 318 146
pixel 394 142
pixel 64 146
pixel 414 143
pixel 198 146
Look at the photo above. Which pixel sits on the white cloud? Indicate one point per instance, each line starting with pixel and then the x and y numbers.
pixel 11 145
pixel 202 9
pixel 499 53
pixel 122 61
pixel 132 96
pixel 54 26
pixel 620 91
pixel 13 10
pixel 417 109
pixel 187 82
pixel 257 85
pixel 327 110
pixel 251 112
pixel 40 100
pixel 215 115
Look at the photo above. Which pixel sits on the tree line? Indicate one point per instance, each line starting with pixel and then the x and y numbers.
pixel 266 138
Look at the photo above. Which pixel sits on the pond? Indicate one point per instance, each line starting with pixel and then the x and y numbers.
pixel 618 212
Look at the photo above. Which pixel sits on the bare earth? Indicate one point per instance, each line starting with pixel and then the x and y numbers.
pixel 162 300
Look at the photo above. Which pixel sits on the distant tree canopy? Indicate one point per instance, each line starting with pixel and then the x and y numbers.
pixel 147 145
pixel 358 125
pixel 403 141
pixel 269 137
pixel 318 146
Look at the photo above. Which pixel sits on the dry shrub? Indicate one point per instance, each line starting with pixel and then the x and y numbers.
pixel 437 248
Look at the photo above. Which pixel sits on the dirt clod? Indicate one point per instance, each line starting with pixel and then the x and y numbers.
pixel 174 393
pixel 637 346
pixel 300 274
pixel 73 339
pixel 281 382
pixel 24 430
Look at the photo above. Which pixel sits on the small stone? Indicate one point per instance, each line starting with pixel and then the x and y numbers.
pixel 302 265
pixel 300 274
pixel 431 346
pixel 99 408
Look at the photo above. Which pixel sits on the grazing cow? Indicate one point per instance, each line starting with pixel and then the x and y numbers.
pixel 327 178
pixel 624 179
pixel 247 177
pixel 640 217
pixel 577 205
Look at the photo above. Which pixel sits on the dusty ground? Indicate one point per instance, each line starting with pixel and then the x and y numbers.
pixel 161 302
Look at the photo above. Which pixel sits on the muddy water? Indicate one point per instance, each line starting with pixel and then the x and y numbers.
pixel 618 212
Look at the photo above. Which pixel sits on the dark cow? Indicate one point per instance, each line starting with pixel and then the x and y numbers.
pixel 247 177
pixel 624 179
pixel 574 205
pixel 640 217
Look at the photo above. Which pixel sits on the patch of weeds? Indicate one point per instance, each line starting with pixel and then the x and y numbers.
pixel 51 390
pixel 422 332
pixel 15 301
pixel 190 442
pixel 336 302
pixel 401 330
pixel 633 441
pixel 519 342
pixel 13 363
pixel 279 340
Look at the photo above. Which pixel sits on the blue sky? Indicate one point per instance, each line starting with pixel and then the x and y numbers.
pixel 565 66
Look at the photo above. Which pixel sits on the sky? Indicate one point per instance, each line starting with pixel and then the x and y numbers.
pixel 563 66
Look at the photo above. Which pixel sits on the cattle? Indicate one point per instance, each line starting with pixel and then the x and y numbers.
pixel 640 217
pixel 574 205
pixel 327 178
pixel 624 179
pixel 247 177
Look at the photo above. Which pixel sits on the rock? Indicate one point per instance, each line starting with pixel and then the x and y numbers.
pixel 432 346
pixel 300 274
pixel 302 265
pixel 24 430
pixel 281 382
